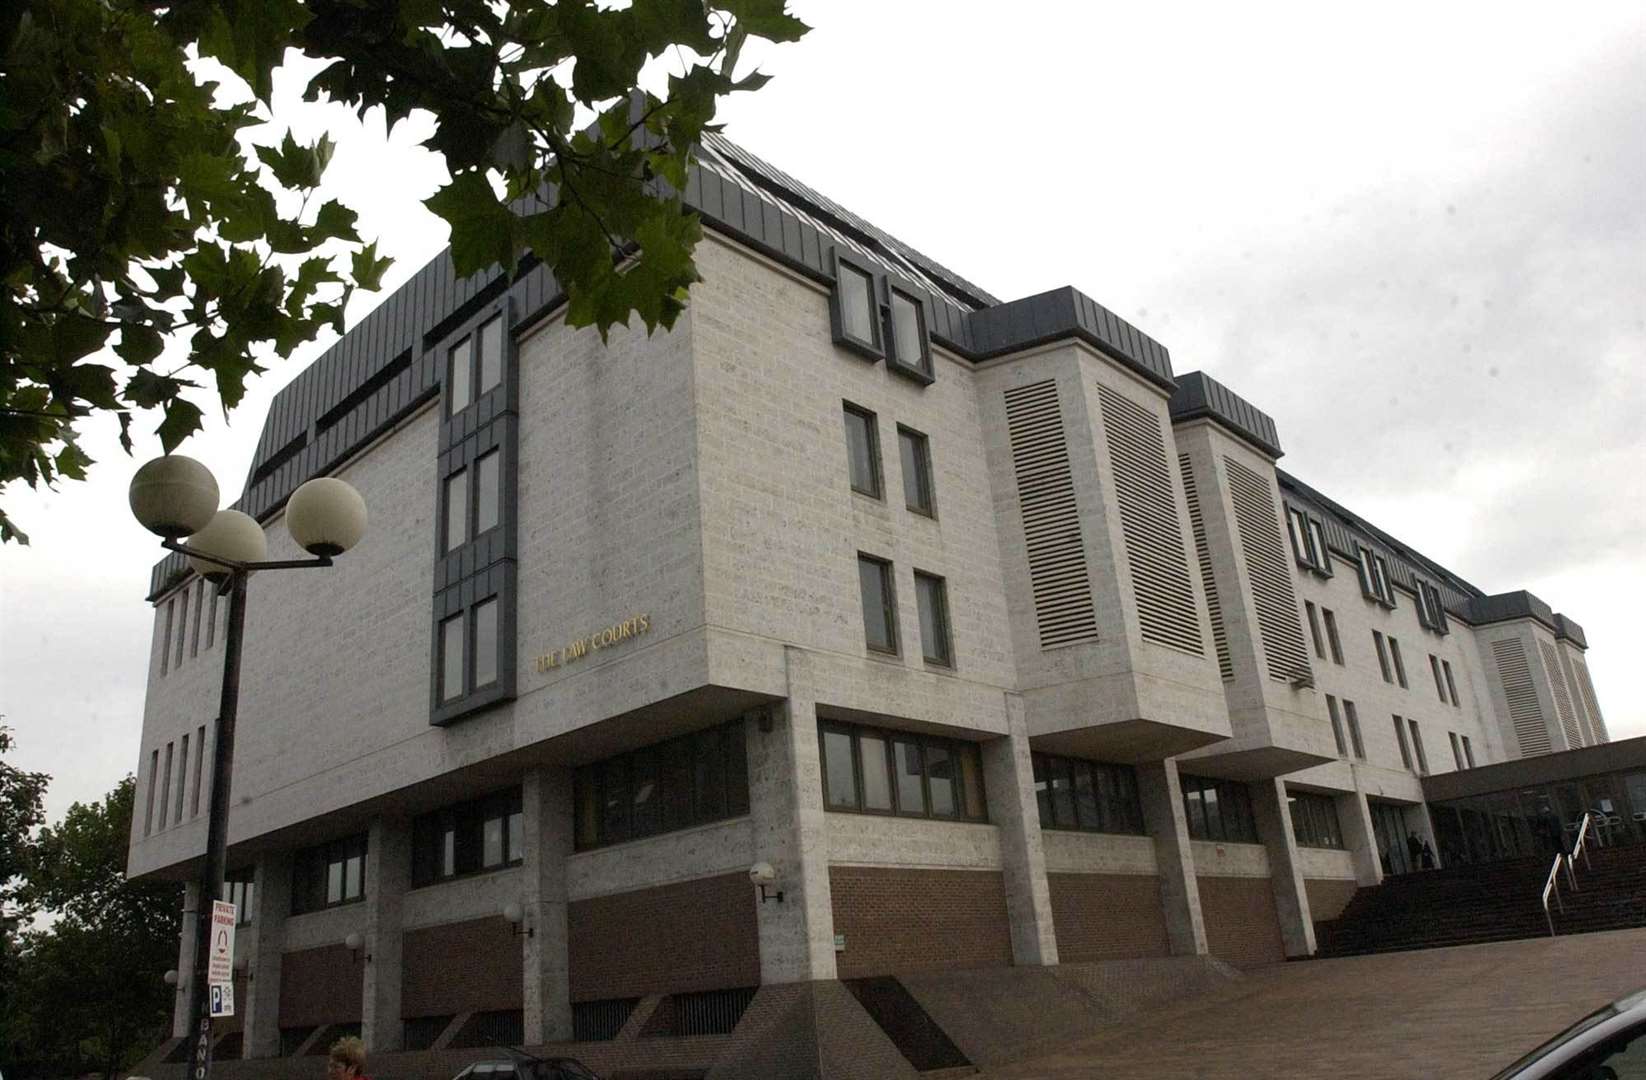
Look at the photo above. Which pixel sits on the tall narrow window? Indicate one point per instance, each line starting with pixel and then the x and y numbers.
pixel 1400 665
pixel 1331 635
pixel 485 642
pixel 1440 683
pixel 1400 737
pixel 199 768
pixel 182 626
pixel 1317 537
pixel 1468 752
pixel 862 451
pixel 165 787
pixel 491 354
pixel 879 603
pixel 854 309
pixel 1451 684
pixel 457 509
pixel 1417 747
pixel 916 453
pixel 1382 656
pixel 931 596
pixel 1352 718
pixel 148 809
pixel 1337 726
pixel 211 619
pixel 458 375
pixel 488 490
pixel 875 758
pixel 182 775
pixel 199 603
pixel 910 350
pixel 1314 628
pixel 165 642
pixel 1457 750
pixel 451 658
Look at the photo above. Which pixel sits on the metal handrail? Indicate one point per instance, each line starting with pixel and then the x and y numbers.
pixel 1552 886
pixel 1582 841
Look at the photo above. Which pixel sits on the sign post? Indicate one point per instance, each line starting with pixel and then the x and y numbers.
pixel 220 967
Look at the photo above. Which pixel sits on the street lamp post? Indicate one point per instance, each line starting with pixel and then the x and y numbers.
pixel 176 497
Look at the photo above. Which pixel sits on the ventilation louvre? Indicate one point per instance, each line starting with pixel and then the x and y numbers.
pixel 1264 552
pixel 1515 674
pixel 1214 607
pixel 1563 697
pixel 1052 539
pixel 1159 566
pixel 1587 686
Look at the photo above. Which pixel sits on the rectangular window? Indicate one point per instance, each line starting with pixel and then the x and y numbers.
pixel 1331 635
pixel 910 349
pixel 1400 665
pixel 862 451
pixel 1219 810
pixel 879 604
pixel 211 620
pixel 689 780
pixel 854 308
pixel 460 361
pixel 165 787
pixel 182 776
pixel 1451 684
pixel 931 596
pixel 451 657
pixel 1104 796
pixel 1352 718
pixel 199 768
pixel 1468 752
pixel 1317 536
pixel 899 773
pixel 148 809
pixel 1308 541
pixel 916 453
pixel 470 837
pixel 1457 750
pixel 165 642
pixel 457 509
pixel 239 889
pixel 1382 656
pixel 1400 737
pixel 1337 726
pixel 491 354
pixel 182 626
pixel 1314 820
pixel 1417 746
pixel 1440 683
pixel 1314 628
pixel 328 875
pixel 1430 611
pixel 488 491
pixel 1374 577
pixel 485 642
pixel 199 604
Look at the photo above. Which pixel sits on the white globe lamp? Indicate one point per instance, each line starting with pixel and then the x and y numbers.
pixel 173 496
pixel 326 516
pixel 230 535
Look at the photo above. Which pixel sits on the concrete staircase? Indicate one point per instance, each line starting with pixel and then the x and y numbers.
pixel 1501 901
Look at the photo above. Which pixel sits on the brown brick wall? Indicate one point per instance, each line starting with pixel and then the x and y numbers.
pixel 461 967
pixel 1107 916
pixel 1241 924
pixel 898 921
pixel 695 935
pixel 1328 897
pixel 320 986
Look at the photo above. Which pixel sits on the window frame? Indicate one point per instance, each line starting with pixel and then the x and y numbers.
pixel 1383 657
pixel 1132 817
pixel 1431 613
pixel 924 482
pixel 1373 571
pixel 877 469
pixel 875 347
pixel 957 749
pixel 495 583
pixel 1323 828
pixel 922 369
pixel 1399 662
pixel 888 604
pixel 466 820
pixel 1351 717
pixel 1314 628
pixel 1451 683
pixel 1332 638
pixel 240 889
pixel 1406 759
pixel 1417 745
pixel 323 856
pixel 1332 713
pixel 1308 540
pixel 1440 685
pixel 1200 785
pixel 940 617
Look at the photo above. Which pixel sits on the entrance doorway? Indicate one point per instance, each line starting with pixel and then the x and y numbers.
pixel 1389 826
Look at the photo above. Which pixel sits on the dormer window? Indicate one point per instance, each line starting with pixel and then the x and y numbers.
pixel 1429 610
pixel 1308 541
pixel 853 309
pixel 911 352
pixel 1374 577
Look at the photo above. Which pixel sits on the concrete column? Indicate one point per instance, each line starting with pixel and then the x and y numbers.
pixel 547 822
pixel 185 961
pixel 265 941
pixel 388 873
pixel 1354 817
pixel 1162 798
pixel 1272 812
pixel 791 832
pixel 1008 785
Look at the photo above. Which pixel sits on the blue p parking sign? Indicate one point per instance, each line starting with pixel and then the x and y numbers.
pixel 222 999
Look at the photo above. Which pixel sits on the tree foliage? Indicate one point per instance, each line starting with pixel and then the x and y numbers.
pixel 88 990
pixel 137 214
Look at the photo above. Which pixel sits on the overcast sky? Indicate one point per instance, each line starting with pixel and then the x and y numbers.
pixel 1415 235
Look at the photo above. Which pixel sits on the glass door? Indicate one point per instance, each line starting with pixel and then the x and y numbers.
pixel 1390 826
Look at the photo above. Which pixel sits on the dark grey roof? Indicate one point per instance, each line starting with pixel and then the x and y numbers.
pixel 1198 394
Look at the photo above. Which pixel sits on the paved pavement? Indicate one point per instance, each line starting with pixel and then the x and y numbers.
pixel 1464 1012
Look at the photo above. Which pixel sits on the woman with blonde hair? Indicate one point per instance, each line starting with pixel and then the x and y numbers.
pixel 346 1060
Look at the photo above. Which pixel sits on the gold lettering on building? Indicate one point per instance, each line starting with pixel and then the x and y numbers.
pixel 604 638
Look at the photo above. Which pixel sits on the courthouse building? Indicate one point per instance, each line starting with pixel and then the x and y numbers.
pixel 1003 643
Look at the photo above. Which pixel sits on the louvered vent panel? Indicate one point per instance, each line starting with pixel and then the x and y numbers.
pixel 1197 527
pixel 1563 698
pixel 1264 553
pixel 1051 521
pixel 1166 612
pixel 1588 689
pixel 1524 712
pixel 1580 708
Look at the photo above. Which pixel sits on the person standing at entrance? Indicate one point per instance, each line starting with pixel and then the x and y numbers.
pixel 347 1059
pixel 1414 848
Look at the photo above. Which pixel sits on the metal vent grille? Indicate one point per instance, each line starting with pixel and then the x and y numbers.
pixel 1263 550
pixel 1580 708
pixel 1588 688
pixel 1052 538
pixel 1563 697
pixel 1166 613
pixel 1524 712
pixel 1197 527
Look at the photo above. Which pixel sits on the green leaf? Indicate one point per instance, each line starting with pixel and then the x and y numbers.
pixel 182 420
pixel 484 231
pixel 766 18
pixel 367 269
pixel 139 344
pixel 334 221
pixel 146 389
